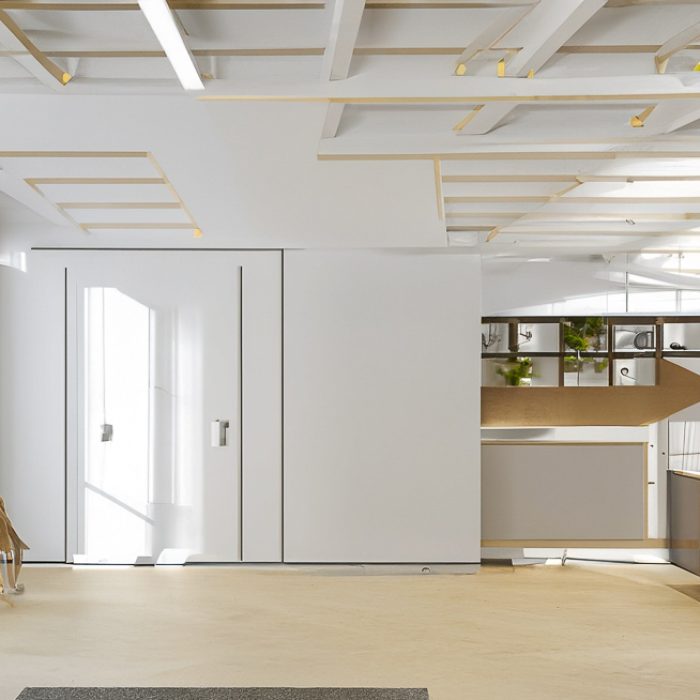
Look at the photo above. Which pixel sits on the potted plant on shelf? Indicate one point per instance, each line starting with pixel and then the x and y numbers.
pixel 585 334
pixel 517 372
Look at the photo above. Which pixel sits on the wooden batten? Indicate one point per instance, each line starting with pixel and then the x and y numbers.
pixel 677 389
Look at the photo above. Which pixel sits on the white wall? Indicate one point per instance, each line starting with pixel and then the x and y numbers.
pixel 382 405
pixel 31 405
pixel 382 409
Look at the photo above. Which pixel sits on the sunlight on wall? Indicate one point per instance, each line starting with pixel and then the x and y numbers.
pixel 116 486
pixel 18 260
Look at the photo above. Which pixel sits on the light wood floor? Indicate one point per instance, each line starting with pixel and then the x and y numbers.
pixel 582 631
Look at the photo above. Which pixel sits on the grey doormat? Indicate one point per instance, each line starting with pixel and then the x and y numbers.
pixel 223 694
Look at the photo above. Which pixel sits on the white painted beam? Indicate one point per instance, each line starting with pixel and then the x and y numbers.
pixel 370 89
pixel 553 198
pixel 345 26
pixel 331 123
pixel 28 196
pixel 669 117
pixel 548 27
pixel 679 155
pixel 12 38
pixel 492 33
pixel 674 45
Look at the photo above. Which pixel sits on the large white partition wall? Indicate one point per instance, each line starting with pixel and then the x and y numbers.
pixel 382 407
pixel 31 405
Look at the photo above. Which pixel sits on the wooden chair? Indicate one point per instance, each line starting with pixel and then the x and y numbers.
pixel 11 550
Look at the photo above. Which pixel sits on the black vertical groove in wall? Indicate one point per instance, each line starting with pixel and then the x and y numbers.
pixel 65 414
pixel 282 397
pixel 240 412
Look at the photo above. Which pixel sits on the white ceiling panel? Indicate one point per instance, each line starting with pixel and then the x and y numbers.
pixel 247 166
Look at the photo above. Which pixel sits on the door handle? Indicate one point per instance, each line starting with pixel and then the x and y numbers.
pixel 219 433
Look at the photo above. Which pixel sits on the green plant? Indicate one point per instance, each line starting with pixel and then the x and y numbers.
pixel 515 372
pixel 574 339
pixel 575 364
pixel 583 334
pixel 600 365
pixel 571 364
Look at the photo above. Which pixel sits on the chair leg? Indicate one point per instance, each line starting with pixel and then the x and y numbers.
pixel 19 587
pixel 3 571
pixel 3 592
pixel 10 568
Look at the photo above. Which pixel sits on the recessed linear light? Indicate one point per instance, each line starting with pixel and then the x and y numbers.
pixel 164 26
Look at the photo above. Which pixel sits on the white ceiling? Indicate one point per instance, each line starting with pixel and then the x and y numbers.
pixel 285 157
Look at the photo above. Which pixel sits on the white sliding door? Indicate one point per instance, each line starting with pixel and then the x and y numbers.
pixel 165 345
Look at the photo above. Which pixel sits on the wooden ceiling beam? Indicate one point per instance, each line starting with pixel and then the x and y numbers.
pixel 38 181
pixel 128 5
pixel 73 154
pixel 515 155
pixel 119 205
pixel 675 44
pixel 25 194
pixel 288 51
pixel 366 88
pixel 26 53
pixel 607 233
pixel 550 24
pixel 491 35
pixel 560 199
pixel 669 117
pixel 101 226
pixel 569 178
pixel 580 217
pixel 556 197
pixel 39 6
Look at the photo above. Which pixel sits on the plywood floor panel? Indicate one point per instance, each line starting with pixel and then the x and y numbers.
pixel 545 632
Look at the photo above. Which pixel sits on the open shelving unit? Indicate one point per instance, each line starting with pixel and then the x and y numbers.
pixel 583 350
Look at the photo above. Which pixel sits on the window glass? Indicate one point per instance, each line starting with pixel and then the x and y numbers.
pixel 690 300
pixel 651 300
